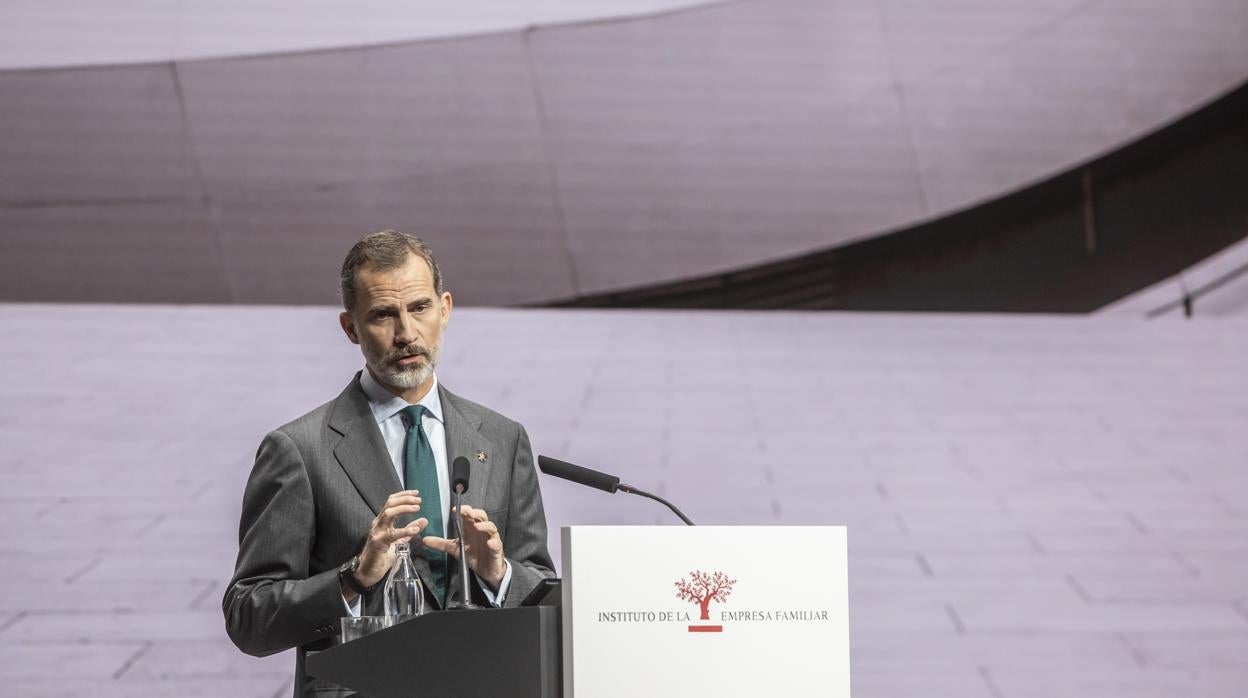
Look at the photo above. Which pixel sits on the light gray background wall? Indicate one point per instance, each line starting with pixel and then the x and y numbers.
pixel 66 33
pixel 1038 507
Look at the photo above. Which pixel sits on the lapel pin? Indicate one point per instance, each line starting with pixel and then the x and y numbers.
pixel 480 456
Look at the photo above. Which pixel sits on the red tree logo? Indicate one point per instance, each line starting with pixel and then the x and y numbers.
pixel 702 588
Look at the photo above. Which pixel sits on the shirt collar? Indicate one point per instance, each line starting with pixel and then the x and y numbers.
pixel 386 404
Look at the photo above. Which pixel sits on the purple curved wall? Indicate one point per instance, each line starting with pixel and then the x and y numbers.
pixel 577 159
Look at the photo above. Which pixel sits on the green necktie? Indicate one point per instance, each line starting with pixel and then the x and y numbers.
pixel 420 472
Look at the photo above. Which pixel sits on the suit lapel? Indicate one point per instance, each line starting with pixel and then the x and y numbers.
pixel 361 451
pixel 463 438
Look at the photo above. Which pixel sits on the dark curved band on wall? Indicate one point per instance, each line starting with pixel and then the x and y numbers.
pixel 1071 244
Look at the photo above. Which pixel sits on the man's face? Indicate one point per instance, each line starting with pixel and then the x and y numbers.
pixel 398 321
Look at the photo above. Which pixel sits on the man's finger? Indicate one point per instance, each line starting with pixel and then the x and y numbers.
pixel 473 514
pixel 387 516
pixel 405 501
pixel 450 546
pixel 390 536
pixel 400 508
pixel 397 497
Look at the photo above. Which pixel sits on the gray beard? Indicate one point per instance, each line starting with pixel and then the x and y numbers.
pixel 403 378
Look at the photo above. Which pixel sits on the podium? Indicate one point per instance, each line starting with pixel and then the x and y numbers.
pixel 667 612
pixel 522 645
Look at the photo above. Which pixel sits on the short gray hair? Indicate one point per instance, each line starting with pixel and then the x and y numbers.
pixel 383 251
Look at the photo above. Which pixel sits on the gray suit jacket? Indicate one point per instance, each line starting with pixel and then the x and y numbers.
pixel 315 488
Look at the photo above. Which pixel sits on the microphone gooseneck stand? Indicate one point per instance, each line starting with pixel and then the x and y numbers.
pixel 642 493
pixel 459 476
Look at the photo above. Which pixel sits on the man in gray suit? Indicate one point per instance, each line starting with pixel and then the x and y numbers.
pixel 333 491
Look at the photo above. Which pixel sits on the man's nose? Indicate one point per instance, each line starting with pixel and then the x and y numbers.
pixel 405 330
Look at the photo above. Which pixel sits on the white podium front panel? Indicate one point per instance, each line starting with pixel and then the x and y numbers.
pixel 705 611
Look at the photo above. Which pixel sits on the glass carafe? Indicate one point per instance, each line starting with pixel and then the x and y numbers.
pixel 404 595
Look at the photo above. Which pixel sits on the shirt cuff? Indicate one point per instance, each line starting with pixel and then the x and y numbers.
pixel 353 608
pixel 497 598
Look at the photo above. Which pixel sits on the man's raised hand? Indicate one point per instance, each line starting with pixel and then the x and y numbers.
pixel 377 557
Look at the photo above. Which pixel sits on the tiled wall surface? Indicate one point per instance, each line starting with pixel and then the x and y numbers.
pixel 1037 506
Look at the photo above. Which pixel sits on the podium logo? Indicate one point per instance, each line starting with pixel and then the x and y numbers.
pixel 701 588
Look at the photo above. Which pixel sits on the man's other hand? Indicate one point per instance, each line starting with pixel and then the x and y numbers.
pixel 482 545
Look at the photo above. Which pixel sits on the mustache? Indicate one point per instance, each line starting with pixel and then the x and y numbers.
pixel 408 351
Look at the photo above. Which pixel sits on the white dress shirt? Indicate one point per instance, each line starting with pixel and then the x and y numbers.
pixel 387 408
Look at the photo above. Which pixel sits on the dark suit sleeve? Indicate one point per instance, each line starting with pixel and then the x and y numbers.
pixel 525 541
pixel 272 604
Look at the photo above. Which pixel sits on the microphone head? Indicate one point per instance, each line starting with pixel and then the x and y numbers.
pixel 575 473
pixel 459 474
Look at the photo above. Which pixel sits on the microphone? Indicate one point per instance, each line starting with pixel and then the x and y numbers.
pixel 577 474
pixel 459 474
pixel 599 480
pixel 460 471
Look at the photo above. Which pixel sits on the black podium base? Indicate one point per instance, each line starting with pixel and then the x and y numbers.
pixel 493 652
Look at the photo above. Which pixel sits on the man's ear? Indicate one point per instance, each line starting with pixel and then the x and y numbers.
pixel 446 308
pixel 348 326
